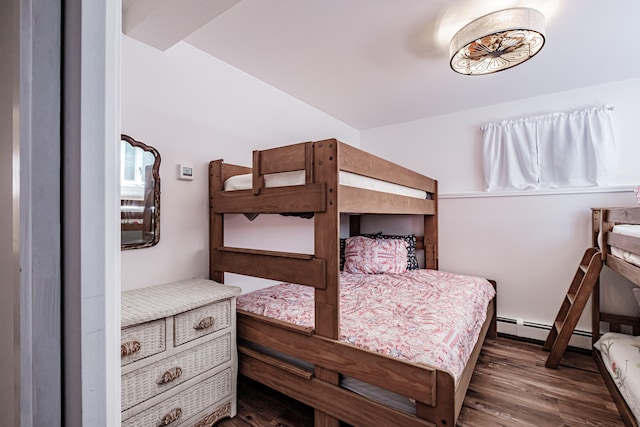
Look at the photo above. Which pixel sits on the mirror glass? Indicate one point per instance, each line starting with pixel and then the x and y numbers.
pixel 139 194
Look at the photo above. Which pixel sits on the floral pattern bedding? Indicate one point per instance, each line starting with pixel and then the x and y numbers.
pixel 621 356
pixel 422 316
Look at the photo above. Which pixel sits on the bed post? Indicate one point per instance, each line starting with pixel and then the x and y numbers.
pixel 431 234
pixel 326 235
pixel 216 220
pixel 596 227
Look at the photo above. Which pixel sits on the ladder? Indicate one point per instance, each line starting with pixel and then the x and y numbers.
pixel 572 306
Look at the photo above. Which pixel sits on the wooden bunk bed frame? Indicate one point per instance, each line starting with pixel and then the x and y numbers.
pixel 603 220
pixel 438 399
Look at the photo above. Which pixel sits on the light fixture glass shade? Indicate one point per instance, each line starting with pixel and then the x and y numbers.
pixel 497 41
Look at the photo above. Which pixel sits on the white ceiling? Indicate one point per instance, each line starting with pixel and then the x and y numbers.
pixel 372 63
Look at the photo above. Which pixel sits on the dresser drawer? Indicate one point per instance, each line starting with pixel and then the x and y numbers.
pixel 186 404
pixel 140 341
pixel 202 321
pixel 144 383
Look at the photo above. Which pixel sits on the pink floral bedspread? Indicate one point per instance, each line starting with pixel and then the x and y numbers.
pixel 423 316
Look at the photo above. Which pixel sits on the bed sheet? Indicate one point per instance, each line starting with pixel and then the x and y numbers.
pixel 422 316
pixel 244 182
pixel 621 356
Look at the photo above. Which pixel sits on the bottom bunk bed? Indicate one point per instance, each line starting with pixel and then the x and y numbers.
pixel 407 349
pixel 616 231
pixel 618 358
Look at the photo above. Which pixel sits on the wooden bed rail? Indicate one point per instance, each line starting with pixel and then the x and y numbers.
pixel 328 398
pixel 603 221
pixel 302 156
pixel 617 321
pixel 360 162
pixel 287 267
pixel 411 380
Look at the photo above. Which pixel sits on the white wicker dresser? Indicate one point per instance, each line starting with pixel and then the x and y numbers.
pixel 178 354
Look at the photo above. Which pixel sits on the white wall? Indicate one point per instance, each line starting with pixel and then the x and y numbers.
pixel 530 244
pixel 194 108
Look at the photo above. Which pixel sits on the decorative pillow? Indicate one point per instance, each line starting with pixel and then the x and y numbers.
pixel 410 239
pixel 375 256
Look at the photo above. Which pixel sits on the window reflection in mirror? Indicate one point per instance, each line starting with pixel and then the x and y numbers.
pixel 139 194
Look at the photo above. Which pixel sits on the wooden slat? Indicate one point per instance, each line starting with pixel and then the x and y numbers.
pixel 282 266
pixel 623 215
pixel 291 199
pixel 289 255
pixel 291 327
pixel 620 319
pixel 229 170
pixel 621 241
pixel 352 408
pixel 407 379
pixel 282 159
pixel 278 363
pixel 627 270
pixel 366 164
pixel 358 200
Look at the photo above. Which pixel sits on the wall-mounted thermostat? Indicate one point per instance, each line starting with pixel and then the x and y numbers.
pixel 185 172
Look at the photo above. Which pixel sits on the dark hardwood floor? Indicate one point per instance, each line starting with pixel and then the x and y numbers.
pixel 510 387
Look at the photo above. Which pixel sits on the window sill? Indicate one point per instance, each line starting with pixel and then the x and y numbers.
pixel 557 191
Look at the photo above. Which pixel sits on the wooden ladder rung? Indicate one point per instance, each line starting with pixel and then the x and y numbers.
pixel 558 325
pixel 571 297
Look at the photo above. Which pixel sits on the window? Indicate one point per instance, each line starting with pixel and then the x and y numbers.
pixel 557 150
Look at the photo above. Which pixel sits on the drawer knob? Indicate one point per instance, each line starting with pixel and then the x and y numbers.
pixel 204 323
pixel 129 347
pixel 170 417
pixel 170 375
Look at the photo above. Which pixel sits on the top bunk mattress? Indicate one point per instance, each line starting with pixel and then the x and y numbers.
pixel 421 316
pixel 626 230
pixel 283 179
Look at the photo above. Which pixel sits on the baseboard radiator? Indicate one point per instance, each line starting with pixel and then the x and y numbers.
pixel 538 332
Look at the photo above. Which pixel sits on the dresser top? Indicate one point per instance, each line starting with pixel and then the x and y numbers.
pixel 155 302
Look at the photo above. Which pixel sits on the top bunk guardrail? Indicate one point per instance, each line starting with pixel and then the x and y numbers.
pixel 317 169
pixel 617 233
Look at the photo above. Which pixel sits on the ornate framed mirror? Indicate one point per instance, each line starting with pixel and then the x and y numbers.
pixel 139 194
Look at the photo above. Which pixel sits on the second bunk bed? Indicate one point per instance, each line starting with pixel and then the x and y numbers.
pixel 309 353
pixel 616 232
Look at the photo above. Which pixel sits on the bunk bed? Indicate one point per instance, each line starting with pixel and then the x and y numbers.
pixel 271 349
pixel 616 232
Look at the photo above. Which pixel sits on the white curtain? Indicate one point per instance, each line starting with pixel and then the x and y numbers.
pixel 558 150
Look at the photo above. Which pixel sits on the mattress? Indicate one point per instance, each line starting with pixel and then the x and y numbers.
pixel 627 230
pixel 244 182
pixel 421 316
pixel 621 357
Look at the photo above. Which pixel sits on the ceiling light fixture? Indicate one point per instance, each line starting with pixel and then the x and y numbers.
pixel 497 41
